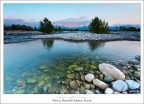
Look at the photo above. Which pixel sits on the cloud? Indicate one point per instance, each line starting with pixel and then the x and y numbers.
pixel 73 22
pixel 9 21
pixel 69 22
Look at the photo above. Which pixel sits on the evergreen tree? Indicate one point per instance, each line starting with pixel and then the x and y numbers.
pixel 46 26
pixel 98 26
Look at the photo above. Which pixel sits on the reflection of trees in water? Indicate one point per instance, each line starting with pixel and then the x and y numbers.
pixel 48 43
pixel 94 45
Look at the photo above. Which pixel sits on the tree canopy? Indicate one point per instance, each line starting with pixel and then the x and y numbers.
pixel 98 26
pixel 46 26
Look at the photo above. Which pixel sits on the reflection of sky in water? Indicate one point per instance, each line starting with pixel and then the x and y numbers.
pixel 37 51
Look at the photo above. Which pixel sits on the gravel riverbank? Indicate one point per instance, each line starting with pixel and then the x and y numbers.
pixel 71 36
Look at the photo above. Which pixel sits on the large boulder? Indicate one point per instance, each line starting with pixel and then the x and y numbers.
pixel 120 86
pixel 89 77
pixel 100 84
pixel 110 70
pixel 132 84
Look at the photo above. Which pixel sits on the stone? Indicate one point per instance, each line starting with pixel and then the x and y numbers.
pixel 78 68
pixel 20 91
pixel 67 82
pixel 108 79
pixel 53 89
pixel 120 86
pixel 137 57
pixel 41 84
pixel 74 85
pixel 137 67
pixel 73 91
pixel 92 86
pixel 59 82
pixel 101 77
pixel 93 67
pixel 62 91
pixel 71 76
pixel 45 88
pixel 71 67
pixel 42 67
pixel 97 92
pixel 65 89
pixel 78 83
pixel 77 76
pixel 89 77
pixel 110 70
pixel 45 70
pixel 137 74
pixel 134 62
pixel 20 83
pixel 124 92
pixel 77 92
pixel 87 86
pixel 100 84
pixel 83 78
pixel 117 92
pixel 134 92
pixel 88 92
pixel 132 84
pixel 98 72
pixel 82 90
pixel 31 81
pixel 109 91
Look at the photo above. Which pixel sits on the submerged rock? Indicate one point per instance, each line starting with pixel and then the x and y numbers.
pixel 100 84
pixel 71 67
pixel 42 67
pixel 108 79
pixel 120 86
pixel 77 76
pixel 67 82
pixel 132 84
pixel 78 68
pixel 31 81
pixel 71 76
pixel 74 85
pixel 20 83
pixel 110 70
pixel 20 91
pixel 83 78
pixel 89 77
pixel 109 91
pixel 93 67
pixel 53 89
pixel 137 67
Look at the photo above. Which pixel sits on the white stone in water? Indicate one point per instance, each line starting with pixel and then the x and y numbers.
pixel 100 84
pixel 120 86
pixel 132 84
pixel 89 77
pixel 110 70
pixel 109 91
pixel 88 92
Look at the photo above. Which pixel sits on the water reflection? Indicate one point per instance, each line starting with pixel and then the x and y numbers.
pixel 48 43
pixel 94 45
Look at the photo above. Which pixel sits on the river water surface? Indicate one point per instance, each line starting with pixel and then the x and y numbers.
pixel 22 60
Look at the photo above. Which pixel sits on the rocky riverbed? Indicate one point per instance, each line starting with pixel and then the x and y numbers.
pixel 104 78
pixel 12 37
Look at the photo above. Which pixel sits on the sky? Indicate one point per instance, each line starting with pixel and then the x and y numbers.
pixel 71 15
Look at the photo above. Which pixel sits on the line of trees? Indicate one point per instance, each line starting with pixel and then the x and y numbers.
pixel 19 27
pixel 129 29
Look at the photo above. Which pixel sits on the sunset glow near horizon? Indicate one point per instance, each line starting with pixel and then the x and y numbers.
pixel 73 14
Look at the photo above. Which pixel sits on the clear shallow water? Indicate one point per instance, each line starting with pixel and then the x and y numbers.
pixel 22 60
